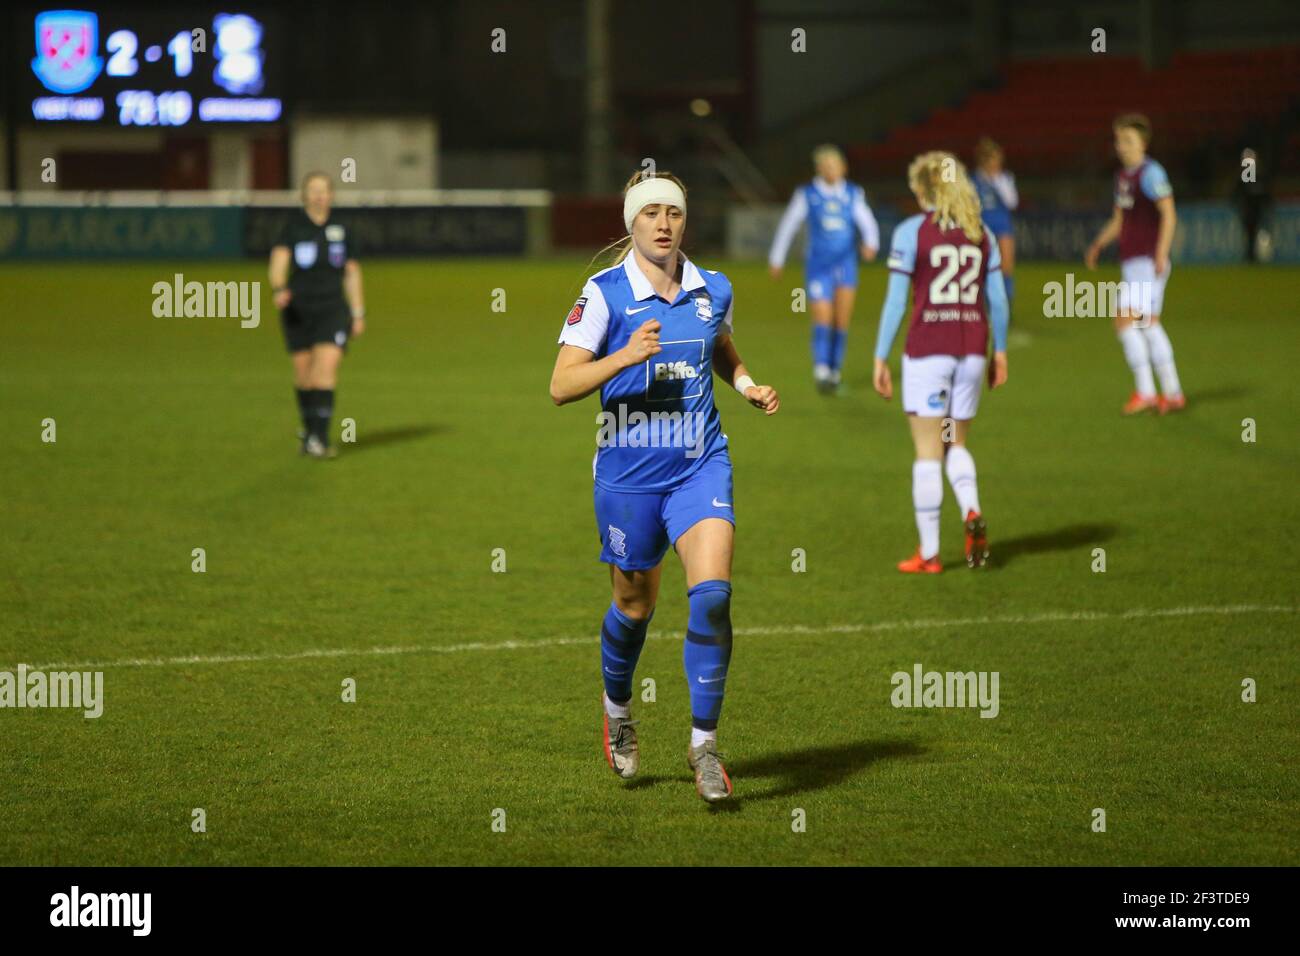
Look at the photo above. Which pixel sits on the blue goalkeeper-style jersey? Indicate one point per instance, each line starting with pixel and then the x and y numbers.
pixel 658 423
pixel 838 219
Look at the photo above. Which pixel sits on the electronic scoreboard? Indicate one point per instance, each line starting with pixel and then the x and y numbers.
pixel 153 68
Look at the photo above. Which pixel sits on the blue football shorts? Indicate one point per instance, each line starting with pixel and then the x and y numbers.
pixel 825 277
pixel 636 528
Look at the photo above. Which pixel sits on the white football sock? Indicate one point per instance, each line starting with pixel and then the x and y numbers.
pixel 617 710
pixel 927 496
pixel 1162 357
pixel 699 736
pixel 1138 356
pixel 960 467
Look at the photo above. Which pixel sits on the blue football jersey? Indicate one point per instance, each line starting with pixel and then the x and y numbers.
pixel 838 218
pixel 658 423
pixel 998 199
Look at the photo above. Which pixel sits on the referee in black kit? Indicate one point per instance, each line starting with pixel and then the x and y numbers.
pixel 317 287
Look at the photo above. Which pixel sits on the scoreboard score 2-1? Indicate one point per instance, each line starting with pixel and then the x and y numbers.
pixel 170 70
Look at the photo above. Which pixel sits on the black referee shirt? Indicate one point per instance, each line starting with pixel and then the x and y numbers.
pixel 318 254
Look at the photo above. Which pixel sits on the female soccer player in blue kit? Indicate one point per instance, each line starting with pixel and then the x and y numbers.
pixel 837 213
pixel 996 187
pixel 650 332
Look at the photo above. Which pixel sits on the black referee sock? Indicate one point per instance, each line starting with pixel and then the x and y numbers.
pixel 304 406
pixel 322 409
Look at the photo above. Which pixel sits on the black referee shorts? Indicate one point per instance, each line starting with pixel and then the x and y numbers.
pixel 305 327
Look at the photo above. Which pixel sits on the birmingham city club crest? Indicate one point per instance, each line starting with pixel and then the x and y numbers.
pixel 67 50
pixel 703 307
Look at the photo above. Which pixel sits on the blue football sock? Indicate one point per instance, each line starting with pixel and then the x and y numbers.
pixel 621 640
pixel 707 651
pixel 821 344
pixel 839 339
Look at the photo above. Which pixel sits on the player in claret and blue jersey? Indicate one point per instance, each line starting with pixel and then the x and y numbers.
pixel 950 260
pixel 1144 221
pixel 650 332
pixel 840 226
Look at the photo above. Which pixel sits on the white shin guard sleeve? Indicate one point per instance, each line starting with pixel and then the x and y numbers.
pixel 927 497
pixel 1162 357
pixel 960 466
pixel 1138 356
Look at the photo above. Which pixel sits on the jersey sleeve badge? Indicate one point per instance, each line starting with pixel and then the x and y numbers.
pixel 575 314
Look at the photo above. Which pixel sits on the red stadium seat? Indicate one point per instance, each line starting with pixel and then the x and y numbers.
pixel 1046 125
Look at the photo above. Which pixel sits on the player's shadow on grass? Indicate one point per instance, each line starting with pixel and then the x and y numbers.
pixel 801 771
pixel 392 436
pixel 1062 539
pixel 1224 393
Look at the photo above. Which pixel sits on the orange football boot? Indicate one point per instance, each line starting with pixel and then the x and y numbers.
pixel 919 565
pixel 1175 404
pixel 977 541
pixel 1137 404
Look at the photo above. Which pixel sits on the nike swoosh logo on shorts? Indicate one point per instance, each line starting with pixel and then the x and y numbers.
pixel 632 311
pixel 721 504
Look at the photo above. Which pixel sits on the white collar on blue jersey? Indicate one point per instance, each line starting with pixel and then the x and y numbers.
pixel 641 287
pixel 839 189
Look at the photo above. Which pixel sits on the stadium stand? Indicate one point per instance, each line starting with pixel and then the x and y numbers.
pixel 1037 115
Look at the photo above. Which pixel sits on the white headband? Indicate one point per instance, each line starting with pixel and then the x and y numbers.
pixel 665 192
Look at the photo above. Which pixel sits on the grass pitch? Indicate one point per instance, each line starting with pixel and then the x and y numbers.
pixel 479 691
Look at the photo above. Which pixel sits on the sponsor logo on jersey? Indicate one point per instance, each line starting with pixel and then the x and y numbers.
pixel 334 233
pixel 575 314
pixel 1123 196
pixel 304 253
pixel 338 254
pixel 674 371
pixel 679 372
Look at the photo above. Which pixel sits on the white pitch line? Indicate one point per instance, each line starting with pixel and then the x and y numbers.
pixel 919 624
